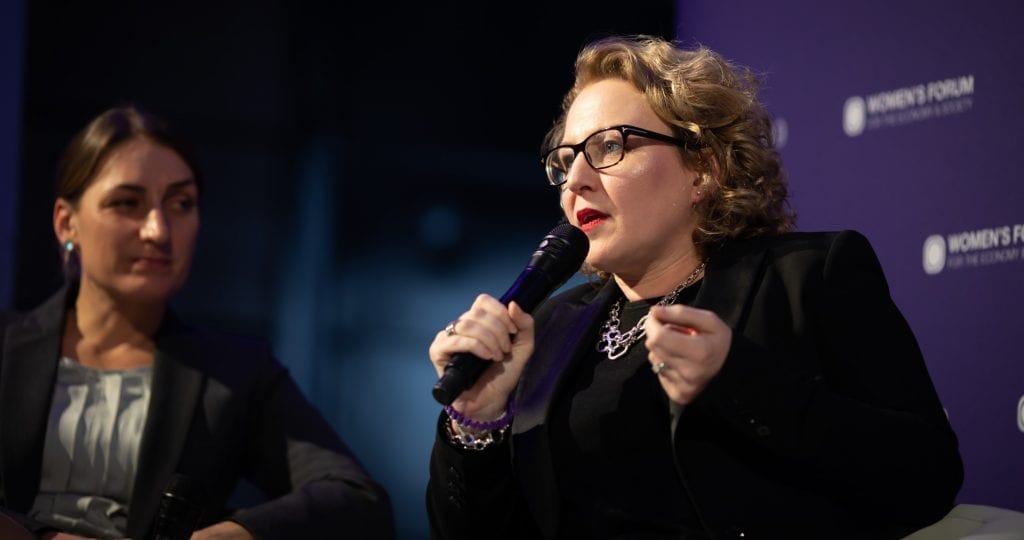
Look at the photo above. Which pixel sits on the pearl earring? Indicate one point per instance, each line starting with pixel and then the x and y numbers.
pixel 69 246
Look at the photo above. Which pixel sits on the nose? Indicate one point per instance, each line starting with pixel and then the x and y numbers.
pixel 580 175
pixel 155 229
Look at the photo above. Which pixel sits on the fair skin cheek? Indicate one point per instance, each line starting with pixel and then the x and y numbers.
pixel 633 251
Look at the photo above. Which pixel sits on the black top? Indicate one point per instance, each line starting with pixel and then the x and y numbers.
pixel 611 440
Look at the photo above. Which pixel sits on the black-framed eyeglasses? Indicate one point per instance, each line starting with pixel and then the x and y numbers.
pixel 602 149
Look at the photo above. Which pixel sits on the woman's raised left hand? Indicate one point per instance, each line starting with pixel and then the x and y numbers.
pixel 687 348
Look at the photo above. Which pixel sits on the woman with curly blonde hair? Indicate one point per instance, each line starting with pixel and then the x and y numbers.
pixel 717 381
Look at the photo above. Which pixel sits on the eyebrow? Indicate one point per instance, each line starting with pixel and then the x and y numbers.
pixel 141 189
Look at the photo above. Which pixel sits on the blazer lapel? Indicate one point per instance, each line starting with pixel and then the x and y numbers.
pixel 729 281
pixel 31 352
pixel 175 393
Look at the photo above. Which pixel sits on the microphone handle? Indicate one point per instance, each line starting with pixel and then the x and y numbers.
pixel 530 289
pixel 459 374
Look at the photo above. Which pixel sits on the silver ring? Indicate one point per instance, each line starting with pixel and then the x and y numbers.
pixel 450 329
pixel 656 368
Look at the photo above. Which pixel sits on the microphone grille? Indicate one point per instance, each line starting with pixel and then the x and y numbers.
pixel 576 244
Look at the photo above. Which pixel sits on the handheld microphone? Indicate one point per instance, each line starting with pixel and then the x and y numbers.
pixel 556 259
pixel 180 509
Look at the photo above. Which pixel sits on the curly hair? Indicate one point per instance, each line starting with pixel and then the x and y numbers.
pixel 699 92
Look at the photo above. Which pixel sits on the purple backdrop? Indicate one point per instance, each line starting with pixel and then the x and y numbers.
pixel 902 120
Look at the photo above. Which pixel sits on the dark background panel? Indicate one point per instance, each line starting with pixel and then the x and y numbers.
pixel 432 103
pixel 368 171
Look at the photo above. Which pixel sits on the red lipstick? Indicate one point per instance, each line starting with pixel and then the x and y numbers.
pixel 588 219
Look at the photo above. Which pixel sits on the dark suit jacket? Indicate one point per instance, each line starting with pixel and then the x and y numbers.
pixel 822 423
pixel 221 408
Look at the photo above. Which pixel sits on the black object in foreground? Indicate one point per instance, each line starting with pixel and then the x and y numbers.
pixel 180 509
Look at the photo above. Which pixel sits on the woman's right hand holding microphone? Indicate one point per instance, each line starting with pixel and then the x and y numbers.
pixel 493 332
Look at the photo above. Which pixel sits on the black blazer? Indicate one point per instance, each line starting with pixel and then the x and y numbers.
pixel 222 408
pixel 822 423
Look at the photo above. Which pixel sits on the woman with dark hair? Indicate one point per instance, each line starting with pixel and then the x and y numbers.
pixel 107 399
pixel 723 376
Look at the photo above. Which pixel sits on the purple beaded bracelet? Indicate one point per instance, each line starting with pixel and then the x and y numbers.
pixel 504 420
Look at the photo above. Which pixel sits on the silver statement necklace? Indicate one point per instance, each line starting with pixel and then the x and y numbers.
pixel 615 342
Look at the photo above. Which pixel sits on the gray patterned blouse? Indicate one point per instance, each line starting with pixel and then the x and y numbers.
pixel 92 448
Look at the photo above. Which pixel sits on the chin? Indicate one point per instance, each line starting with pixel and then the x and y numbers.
pixel 150 290
pixel 603 261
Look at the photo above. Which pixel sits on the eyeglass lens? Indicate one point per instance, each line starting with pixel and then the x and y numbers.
pixel 601 149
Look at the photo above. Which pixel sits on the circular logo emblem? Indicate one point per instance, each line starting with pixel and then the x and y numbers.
pixel 934 259
pixel 854 116
pixel 1020 414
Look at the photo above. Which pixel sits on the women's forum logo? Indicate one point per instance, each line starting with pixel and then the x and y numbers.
pixel 934 256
